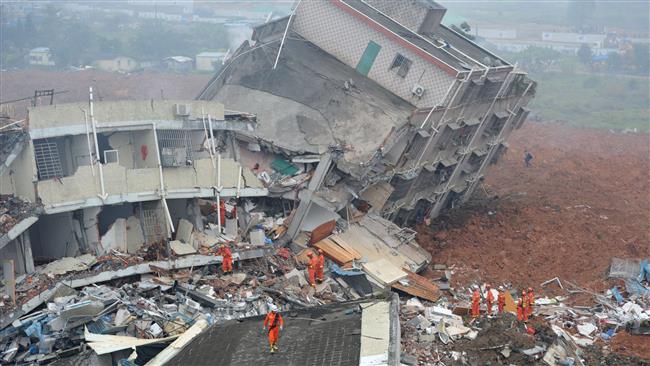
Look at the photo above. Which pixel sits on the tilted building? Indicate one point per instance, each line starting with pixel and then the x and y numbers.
pixel 403 112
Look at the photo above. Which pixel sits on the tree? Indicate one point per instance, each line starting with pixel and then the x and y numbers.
pixel 642 57
pixel 584 54
pixel 614 61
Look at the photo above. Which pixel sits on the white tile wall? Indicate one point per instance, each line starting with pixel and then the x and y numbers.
pixel 345 37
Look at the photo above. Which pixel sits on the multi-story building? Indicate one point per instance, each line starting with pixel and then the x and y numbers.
pixel 403 112
pixel 116 175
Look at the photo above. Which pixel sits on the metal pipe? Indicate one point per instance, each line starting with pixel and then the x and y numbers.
pixel 284 36
pixel 90 149
pixel 219 211
pixel 239 181
pixel 94 125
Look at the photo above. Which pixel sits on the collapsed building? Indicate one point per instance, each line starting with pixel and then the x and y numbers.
pixel 402 110
pixel 336 128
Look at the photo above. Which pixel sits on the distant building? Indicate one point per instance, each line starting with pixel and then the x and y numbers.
pixel 209 61
pixel 118 64
pixel 179 63
pixel 40 56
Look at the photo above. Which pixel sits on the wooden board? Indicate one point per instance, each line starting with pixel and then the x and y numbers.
pixel 418 286
pixel 343 244
pixel 322 232
pixel 334 252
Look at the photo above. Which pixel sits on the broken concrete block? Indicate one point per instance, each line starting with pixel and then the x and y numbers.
pixel 295 273
pixel 69 264
pixel 257 237
pixel 419 322
pixel 179 248
pixel 414 302
pixel 184 231
pixel 122 317
pixel 155 330
pixel 134 235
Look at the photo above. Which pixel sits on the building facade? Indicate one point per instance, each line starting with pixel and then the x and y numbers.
pixel 116 175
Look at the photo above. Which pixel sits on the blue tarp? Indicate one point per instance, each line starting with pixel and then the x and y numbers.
pixel 633 286
pixel 334 268
pixel 617 294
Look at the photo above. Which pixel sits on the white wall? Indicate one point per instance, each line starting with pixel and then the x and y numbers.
pixel 343 36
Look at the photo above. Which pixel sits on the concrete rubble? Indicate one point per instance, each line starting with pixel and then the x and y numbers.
pixel 442 333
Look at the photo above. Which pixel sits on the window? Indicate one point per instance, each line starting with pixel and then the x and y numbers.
pixel 111 156
pixel 400 65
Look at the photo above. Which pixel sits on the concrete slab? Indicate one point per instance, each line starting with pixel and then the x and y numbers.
pixel 184 231
pixel 180 248
pixel 384 271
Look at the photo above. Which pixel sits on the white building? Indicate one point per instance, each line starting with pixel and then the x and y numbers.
pixel 118 64
pixel 209 61
pixel 40 56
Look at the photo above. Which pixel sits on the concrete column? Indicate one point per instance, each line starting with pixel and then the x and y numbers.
pixel 25 249
pixel 90 227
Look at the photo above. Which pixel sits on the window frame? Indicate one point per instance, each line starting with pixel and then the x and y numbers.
pixel 401 65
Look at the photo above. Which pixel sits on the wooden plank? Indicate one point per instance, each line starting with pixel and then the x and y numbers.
pixel 343 244
pixel 418 286
pixel 333 253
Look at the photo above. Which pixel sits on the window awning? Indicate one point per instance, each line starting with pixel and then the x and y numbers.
pixel 472 121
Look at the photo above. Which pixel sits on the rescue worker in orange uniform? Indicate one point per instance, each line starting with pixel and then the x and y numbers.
pixel 489 299
pixel 311 268
pixel 476 299
pixel 501 299
pixel 520 310
pixel 274 323
pixel 531 301
pixel 523 301
pixel 226 254
pixel 321 266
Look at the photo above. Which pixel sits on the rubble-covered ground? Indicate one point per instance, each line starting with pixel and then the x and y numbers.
pixel 583 202
pixel 13 210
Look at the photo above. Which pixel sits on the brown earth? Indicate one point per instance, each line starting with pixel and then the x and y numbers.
pixel 585 199
pixel 107 86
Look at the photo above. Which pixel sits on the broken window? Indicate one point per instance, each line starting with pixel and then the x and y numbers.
pixel 400 65
pixel 48 161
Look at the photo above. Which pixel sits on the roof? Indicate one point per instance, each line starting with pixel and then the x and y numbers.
pixel 211 54
pixel 179 58
pixel 304 104
pixel 316 336
pixel 450 51
pixel 58 116
pixel 40 49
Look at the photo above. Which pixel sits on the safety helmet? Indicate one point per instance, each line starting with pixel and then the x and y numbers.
pixel 310 254
pixel 273 308
pixel 530 289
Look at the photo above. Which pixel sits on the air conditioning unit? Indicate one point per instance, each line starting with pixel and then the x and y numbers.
pixel 418 90
pixel 182 110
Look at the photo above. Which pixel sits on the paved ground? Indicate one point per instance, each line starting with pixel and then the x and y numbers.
pixel 310 338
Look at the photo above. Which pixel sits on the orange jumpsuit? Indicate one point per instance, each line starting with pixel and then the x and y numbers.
pixel 311 267
pixel 222 212
pixel 531 301
pixel 476 298
pixel 520 310
pixel 501 301
pixel 524 308
pixel 226 264
pixel 273 322
pixel 490 300
pixel 320 268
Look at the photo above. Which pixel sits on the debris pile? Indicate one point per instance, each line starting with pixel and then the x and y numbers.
pixel 443 333
pixel 13 210
pixel 157 306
